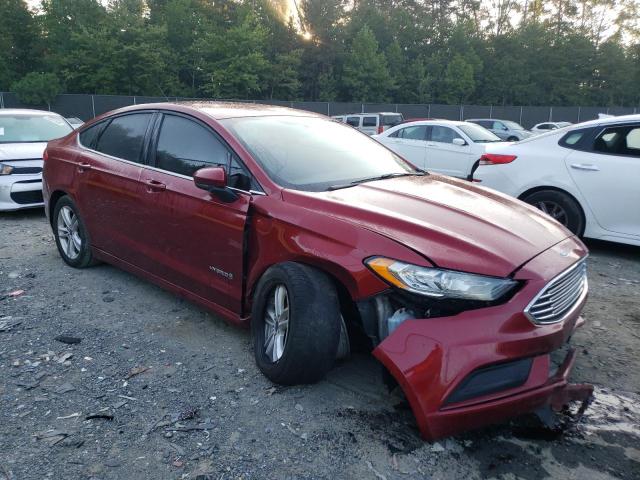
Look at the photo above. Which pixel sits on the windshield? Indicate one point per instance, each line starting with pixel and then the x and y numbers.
pixel 314 154
pixel 29 128
pixel 479 134
pixel 512 125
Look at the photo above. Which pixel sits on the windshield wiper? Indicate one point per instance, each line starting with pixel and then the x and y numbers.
pixel 373 179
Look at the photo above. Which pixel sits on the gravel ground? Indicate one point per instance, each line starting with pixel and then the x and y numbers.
pixel 159 388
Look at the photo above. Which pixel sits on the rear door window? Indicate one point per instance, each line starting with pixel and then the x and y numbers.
pixel 370 121
pixel 623 140
pixel 124 137
pixel 417 132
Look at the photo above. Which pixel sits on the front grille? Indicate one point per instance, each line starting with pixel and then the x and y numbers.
pixel 26 170
pixel 559 296
pixel 25 198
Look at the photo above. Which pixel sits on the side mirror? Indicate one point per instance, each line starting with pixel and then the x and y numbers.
pixel 458 141
pixel 214 181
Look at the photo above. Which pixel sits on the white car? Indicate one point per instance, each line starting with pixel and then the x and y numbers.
pixel 440 146
pixel 544 127
pixel 370 123
pixel 23 137
pixel 586 176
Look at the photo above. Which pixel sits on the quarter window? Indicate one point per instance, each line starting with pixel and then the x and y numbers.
pixel 124 137
pixel 89 135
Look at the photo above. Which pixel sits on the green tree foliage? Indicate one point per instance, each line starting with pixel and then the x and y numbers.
pixel 365 76
pixel 500 52
pixel 37 88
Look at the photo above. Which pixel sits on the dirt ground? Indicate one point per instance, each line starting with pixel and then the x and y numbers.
pixel 159 388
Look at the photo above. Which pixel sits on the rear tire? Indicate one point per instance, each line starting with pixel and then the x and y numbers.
pixel 559 206
pixel 295 324
pixel 72 238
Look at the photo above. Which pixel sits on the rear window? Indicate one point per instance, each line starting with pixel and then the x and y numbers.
pixel 391 120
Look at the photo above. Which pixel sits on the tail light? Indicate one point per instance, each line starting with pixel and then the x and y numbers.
pixel 495 159
pixel 380 129
pixel 45 155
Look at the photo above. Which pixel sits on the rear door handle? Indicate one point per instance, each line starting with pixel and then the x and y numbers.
pixel 582 166
pixel 155 186
pixel 83 167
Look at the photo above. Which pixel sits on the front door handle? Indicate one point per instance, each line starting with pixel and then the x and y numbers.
pixel 583 166
pixel 155 186
pixel 83 167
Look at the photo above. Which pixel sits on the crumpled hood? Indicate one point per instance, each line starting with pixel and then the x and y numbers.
pixel 21 151
pixel 453 223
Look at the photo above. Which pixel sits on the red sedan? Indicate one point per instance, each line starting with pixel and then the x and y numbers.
pixel 312 233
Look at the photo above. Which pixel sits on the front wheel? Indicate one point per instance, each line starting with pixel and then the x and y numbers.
pixel 559 206
pixel 295 324
pixel 513 139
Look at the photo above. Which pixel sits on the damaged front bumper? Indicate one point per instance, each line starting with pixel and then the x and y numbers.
pixel 487 365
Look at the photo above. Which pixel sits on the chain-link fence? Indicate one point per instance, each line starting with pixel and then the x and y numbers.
pixel 88 106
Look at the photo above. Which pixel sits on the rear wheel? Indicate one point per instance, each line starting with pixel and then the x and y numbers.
pixel 71 234
pixel 559 206
pixel 295 323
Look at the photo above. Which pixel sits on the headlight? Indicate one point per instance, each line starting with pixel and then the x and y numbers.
pixel 439 283
pixel 5 169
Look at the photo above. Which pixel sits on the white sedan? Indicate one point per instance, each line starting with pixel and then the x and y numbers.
pixel 440 146
pixel 544 127
pixel 586 176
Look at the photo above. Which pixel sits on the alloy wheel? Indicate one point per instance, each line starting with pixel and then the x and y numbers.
pixel 276 323
pixel 69 232
pixel 554 210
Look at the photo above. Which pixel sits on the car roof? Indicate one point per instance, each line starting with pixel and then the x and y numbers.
pixel 222 110
pixel 608 121
pixel 25 111
pixel 453 123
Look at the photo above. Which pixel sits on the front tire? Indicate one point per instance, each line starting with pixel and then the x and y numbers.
pixel 559 206
pixel 295 324
pixel 71 234
pixel 513 139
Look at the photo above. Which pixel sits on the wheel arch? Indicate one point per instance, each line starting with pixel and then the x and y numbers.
pixel 337 275
pixel 533 190
pixel 53 200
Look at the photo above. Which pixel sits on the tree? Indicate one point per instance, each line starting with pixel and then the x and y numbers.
pixel 37 88
pixel 458 81
pixel 365 75
pixel 19 42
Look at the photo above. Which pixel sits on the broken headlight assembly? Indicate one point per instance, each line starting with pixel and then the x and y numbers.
pixel 437 283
